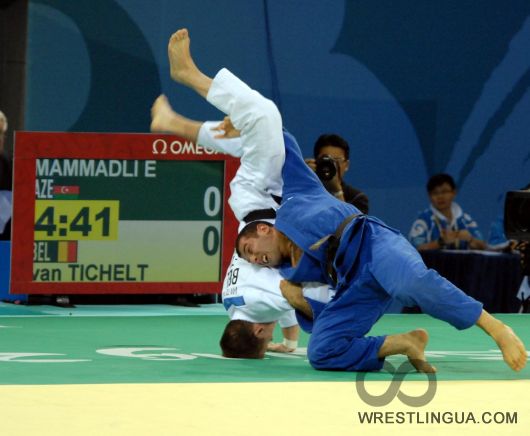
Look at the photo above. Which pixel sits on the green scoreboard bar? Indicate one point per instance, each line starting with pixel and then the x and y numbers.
pixel 119 213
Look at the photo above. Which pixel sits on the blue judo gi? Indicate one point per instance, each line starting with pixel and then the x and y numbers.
pixel 374 264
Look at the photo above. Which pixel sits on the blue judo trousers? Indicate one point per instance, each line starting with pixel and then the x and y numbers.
pixel 374 264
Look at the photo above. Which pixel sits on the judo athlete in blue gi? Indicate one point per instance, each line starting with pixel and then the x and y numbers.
pixel 319 238
pixel 370 264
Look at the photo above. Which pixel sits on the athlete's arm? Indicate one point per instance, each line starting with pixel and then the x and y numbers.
pixel 290 340
pixel 294 295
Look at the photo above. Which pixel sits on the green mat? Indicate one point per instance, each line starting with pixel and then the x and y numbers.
pixel 181 345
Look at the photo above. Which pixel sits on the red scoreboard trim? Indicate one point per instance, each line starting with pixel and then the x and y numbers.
pixel 29 146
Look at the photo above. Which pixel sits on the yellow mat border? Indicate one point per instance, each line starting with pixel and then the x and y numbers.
pixel 314 408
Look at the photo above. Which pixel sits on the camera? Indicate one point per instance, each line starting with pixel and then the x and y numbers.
pixel 517 215
pixel 326 168
pixel 517 223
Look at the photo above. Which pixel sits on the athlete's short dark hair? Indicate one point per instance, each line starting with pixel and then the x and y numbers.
pixel 239 341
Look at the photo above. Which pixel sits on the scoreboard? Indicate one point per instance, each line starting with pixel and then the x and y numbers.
pixel 119 213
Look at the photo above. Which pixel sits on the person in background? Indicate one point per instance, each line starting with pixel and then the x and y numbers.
pixel 5 183
pixel 444 224
pixel 5 161
pixel 334 149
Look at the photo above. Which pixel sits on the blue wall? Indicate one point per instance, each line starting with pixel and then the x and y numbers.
pixel 417 86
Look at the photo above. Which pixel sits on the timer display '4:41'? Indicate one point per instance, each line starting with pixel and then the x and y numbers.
pixel 76 220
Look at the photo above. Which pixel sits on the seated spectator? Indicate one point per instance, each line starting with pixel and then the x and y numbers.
pixel 444 224
pixel 336 148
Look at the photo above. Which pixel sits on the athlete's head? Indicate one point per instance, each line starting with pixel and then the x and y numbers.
pixel 246 340
pixel 261 244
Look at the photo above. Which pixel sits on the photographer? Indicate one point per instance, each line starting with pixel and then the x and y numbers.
pixel 331 161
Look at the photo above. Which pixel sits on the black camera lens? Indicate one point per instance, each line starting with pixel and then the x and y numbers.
pixel 517 215
pixel 326 168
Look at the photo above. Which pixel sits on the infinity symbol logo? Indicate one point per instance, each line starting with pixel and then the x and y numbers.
pixel 393 390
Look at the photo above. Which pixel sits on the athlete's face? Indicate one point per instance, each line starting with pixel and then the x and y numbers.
pixel 263 249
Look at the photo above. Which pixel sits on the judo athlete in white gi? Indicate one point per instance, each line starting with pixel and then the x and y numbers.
pixel 318 238
pixel 251 294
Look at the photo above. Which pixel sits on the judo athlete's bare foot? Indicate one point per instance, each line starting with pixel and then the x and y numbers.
pixel 182 67
pixel 411 344
pixel 416 351
pixel 165 119
pixel 513 350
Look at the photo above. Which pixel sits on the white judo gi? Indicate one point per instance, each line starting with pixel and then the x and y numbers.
pixel 252 293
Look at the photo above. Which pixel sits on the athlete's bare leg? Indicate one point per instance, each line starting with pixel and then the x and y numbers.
pixel 411 344
pixel 182 67
pixel 513 350
pixel 165 119
pixel 184 71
